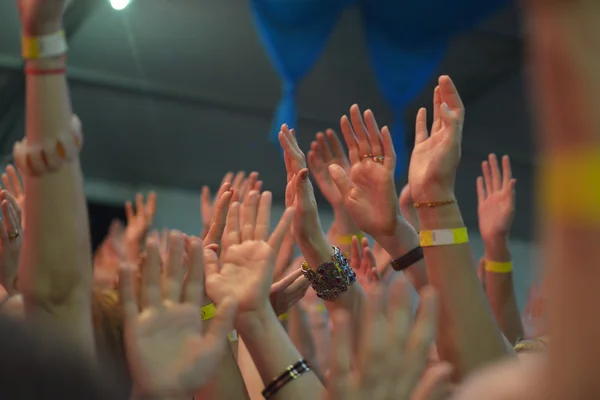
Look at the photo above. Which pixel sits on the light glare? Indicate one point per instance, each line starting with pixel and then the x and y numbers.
pixel 119 4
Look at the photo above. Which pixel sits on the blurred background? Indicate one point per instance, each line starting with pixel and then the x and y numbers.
pixel 174 93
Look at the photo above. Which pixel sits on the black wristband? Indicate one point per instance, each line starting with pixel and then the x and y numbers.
pixel 402 263
pixel 292 372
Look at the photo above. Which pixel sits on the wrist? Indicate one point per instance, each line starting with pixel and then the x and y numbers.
pixel 253 324
pixel 445 217
pixel 432 192
pixel 344 223
pixel 47 28
pixel 404 239
pixel 316 250
pixel 497 250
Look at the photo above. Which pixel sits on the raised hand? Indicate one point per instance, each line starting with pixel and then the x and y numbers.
pixel 167 353
pixel 41 17
pixel 247 263
pixel 325 151
pixel 368 193
pixel 288 291
pixel 496 199
pixel 140 219
pixel 12 183
pixel 216 228
pixel 407 206
pixel 393 352
pixel 363 263
pixel 11 237
pixel 208 204
pixel 435 157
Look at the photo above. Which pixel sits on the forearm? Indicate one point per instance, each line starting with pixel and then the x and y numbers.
pixel 469 337
pixel 300 334
pixel 500 291
pixel 252 379
pixel 273 352
pixel 405 240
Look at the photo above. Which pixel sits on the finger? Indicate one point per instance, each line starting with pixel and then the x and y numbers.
pixel 452 119
pixel 252 179
pixel 354 254
pixel 249 214
pixel 228 178
pixel 129 213
pixel 287 280
pixel 389 152
pixel 304 192
pixel 174 269
pixel 421 133
pixel 282 227
pixel 437 102
pixel 487 178
pixel 341 180
pixel 358 125
pixel 139 204
pixel 495 169
pixel 326 153
pixel 480 190
pixel 15 182
pixel 150 269
pixel 297 288
pixel 336 145
pixel 206 205
pixel 364 242
pixel 194 282
pixel 263 219
pixel 219 219
pixel 6 222
pixel 338 385
pixel 374 133
pixel 14 205
pixel 434 384
pixel 258 186
pixel 449 94
pixel 289 193
pixel 351 140
pixel 232 226
pixel 238 180
pixel 369 258
pixel 506 171
pixel 6 183
pixel 211 263
pixel 127 297
pixel 150 208
pixel 243 192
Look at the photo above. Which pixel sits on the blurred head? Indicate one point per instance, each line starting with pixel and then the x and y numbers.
pixel 35 367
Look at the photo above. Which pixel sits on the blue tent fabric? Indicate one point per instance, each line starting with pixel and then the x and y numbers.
pixel 294 33
pixel 406 41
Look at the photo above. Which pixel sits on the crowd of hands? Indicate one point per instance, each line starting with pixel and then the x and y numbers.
pixel 367 343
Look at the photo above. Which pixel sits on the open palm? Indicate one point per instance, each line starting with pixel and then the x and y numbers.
pixel 496 198
pixel 369 192
pixel 435 157
pixel 166 350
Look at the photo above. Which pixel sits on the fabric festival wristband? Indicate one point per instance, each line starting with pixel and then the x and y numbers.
pixel 35 47
pixel 443 237
pixel 569 187
pixel 348 239
pixel 498 267
pixel 208 311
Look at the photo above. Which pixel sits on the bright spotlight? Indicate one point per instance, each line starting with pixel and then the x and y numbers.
pixel 119 4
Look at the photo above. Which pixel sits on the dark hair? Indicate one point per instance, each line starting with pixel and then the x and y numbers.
pixel 34 366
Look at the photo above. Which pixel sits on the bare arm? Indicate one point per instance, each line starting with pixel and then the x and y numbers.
pixel 56 259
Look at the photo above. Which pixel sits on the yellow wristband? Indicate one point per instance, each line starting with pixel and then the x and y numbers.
pixel 570 188
pixel 34 47
pixel 284 317
pixel 208 311
pixel 348 239
pixel 498 267
pixel 443 237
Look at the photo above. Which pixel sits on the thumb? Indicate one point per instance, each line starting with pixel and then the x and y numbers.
pixel 340 179
pixel 304 189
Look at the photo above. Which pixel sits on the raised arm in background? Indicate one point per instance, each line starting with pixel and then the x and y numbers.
pixel 496 210
pixel 469 336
